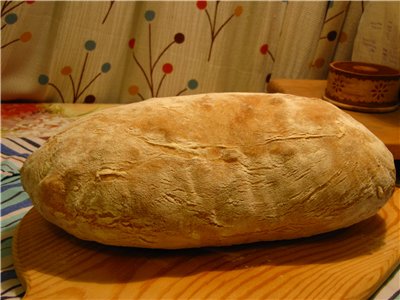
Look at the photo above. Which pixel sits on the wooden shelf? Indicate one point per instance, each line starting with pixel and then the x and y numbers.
pixel 386 126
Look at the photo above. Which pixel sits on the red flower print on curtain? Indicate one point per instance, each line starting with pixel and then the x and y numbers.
pixel 167 68
pixel 264 50
pixel 212 21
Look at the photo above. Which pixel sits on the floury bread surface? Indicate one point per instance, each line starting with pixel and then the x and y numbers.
pixel 209 170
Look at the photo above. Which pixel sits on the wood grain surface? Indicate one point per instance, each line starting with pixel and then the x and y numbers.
pixel 349 263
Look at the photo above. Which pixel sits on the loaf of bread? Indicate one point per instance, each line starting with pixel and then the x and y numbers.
pixel 210 170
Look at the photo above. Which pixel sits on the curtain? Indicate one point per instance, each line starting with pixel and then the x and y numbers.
pixel 126 51
pixel 378 36
pixel 338 30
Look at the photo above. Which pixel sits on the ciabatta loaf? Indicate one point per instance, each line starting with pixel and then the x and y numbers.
pixel 209 170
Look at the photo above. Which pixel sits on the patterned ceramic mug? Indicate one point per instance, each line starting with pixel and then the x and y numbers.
pixel 363 86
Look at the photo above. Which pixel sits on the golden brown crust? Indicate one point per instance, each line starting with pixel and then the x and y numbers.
pixel 212 169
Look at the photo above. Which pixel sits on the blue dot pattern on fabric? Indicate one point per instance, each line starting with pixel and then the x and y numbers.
pixel 105 67
pixel 43 79
pixel 90 45
pixel 192 84
pixel 11 18
pixel 149 15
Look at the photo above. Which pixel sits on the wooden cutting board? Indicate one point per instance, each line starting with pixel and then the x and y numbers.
pixel 346 264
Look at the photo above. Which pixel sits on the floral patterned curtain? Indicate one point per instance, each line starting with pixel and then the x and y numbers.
pixel 119 51
pixel 332 35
